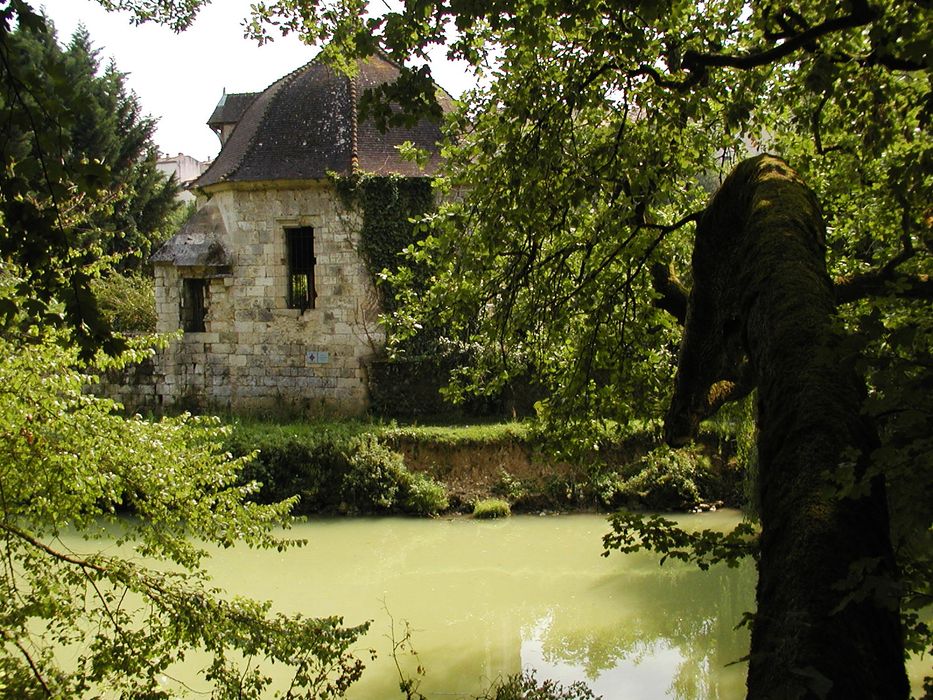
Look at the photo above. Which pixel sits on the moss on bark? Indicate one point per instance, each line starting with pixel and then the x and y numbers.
pixel 762 308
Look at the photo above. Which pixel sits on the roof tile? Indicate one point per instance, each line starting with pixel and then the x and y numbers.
pixel 305 126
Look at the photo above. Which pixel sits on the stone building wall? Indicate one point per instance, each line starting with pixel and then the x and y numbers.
pixel 256 354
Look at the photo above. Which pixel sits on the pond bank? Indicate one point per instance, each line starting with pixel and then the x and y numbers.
pixel 359 468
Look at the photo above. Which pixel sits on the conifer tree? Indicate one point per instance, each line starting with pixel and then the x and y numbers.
pixel 104 123
pixel 79 180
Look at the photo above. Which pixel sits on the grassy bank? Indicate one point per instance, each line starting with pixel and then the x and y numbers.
pixel 358 467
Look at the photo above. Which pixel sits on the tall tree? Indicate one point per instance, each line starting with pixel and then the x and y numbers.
pixel 79 180
pixel 103 123
pixel 110 127
pixel 760 313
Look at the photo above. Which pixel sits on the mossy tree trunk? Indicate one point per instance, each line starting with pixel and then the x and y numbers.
pixel 762 313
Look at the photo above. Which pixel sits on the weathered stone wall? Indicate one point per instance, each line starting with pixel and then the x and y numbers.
pixel 255 354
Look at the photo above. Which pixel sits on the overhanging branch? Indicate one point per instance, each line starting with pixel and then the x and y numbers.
pixel 861 15
pixel 876 283
pixel 848 288
pixel 673 293
pixel 794 36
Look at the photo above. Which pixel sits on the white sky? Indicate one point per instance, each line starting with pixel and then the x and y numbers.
pixel 179 78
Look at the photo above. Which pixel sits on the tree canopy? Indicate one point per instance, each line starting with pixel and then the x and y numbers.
pixel 71 463
pixel 80 180
pixel 599 134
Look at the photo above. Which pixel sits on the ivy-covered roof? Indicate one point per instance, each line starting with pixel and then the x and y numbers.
pixel 307 125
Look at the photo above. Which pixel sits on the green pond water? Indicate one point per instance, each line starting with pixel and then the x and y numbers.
pixel 486 599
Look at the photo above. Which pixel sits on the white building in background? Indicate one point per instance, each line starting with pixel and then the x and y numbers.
pixel 185 169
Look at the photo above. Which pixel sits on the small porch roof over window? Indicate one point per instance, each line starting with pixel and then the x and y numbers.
pixel 199 243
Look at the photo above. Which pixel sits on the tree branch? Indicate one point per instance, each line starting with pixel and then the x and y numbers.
pixel 83 563
pixel 35 669
pixel 664 278
pixel 887 279
pixel 816 125
pixel 890 62
pixel 861 15
pixel 851 288
pixel 693 217
pixel 673 293
pixel 848 288
pixel 697 74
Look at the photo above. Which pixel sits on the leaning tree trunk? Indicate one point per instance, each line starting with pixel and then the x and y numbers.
pixel 762 313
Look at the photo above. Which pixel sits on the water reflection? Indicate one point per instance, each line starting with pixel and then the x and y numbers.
pixel 485 600
pixel 664 633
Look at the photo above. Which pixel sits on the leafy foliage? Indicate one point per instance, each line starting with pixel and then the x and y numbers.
pixel 289 463
pixel 632 532
pixel 666 479
pixel 584 159
pixel 71 462
pixel 79 179
pixel 528 687
pixel 374 476
pixel 425 496
pixel 333 468
pixel 111 129
pixel 127 302
pixel 389 207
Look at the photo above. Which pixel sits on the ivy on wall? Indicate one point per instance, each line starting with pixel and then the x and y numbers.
pixel 406 385
pixel 388 205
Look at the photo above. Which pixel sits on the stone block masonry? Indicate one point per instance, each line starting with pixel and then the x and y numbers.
pixel 255 354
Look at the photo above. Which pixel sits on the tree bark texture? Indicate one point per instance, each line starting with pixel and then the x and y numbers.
pixel 762 307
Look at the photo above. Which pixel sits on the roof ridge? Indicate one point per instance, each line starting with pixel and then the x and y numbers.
pixel 354 124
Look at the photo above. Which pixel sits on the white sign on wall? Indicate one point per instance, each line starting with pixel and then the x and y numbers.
pixel 317 357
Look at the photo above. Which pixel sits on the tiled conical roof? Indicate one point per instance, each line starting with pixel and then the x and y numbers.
pixel 306 125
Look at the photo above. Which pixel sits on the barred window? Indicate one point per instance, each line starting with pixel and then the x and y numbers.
pixel 299 243
pixel 192 309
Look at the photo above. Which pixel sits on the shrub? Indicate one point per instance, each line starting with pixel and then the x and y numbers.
pixel 304 459
pixel 491 508
pixel 527 687
pixel 376 478
pixel 605 485
pixel 332 467
pixel 425 496
pixel 127 302
pixel 508 487
pixel 668 479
